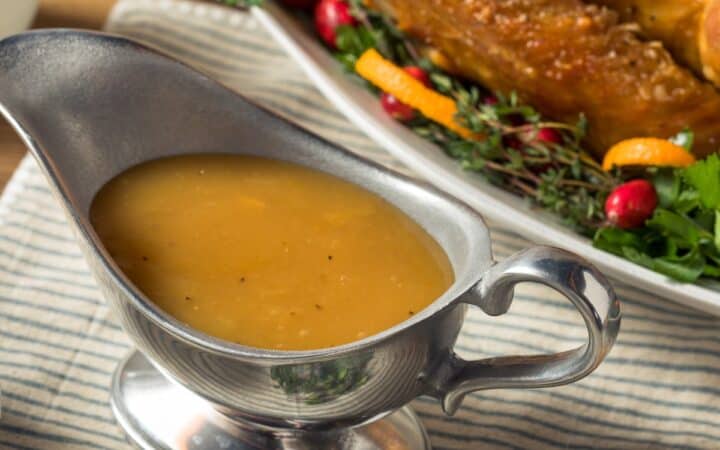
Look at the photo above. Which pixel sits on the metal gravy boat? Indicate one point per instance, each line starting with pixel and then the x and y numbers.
pixel 90 105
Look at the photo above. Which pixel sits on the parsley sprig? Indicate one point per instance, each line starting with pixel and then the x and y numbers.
pixel 682 239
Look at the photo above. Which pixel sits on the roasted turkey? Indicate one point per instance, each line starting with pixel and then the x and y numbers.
pixel 689 29
pixel 567 57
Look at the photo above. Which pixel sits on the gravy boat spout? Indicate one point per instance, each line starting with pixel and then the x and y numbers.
pixel 90 105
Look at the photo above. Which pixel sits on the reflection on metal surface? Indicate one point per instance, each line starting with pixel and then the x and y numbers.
pixel 320 383
pixel 156 413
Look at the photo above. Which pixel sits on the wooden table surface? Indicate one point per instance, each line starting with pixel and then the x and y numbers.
pixel 52 13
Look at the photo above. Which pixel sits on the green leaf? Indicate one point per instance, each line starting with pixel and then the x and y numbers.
pixel 705 177
pixel 664 247
pixel 688 268
pixel 705 219
pixel 667 185
pixel 716 229
pixel 613 240
pixel 348 61
pixel 687 201
pixel 353 40
pixel 442 82
pixel 684 139
pixel 516 158
pixel 684 231
pixel 576 169
pixel 711 271
pixel 638 257
pixel 581 127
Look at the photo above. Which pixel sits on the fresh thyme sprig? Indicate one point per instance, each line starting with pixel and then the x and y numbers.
pixel 558 176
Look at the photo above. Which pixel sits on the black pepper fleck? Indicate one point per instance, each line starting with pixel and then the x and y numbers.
pixel 318 306
pixel 242 279
pixel 329 257
pixel 187 297
pixel 144 258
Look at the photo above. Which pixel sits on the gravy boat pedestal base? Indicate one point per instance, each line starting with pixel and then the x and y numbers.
pixel 156 413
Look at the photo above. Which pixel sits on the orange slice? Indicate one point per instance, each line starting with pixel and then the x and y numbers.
pixel 395 81
pixel 647 152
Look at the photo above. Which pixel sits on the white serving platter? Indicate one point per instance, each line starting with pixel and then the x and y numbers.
pixel 16 15
pixel 429 161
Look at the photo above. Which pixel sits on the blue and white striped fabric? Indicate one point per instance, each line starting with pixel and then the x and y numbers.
pixel 659 388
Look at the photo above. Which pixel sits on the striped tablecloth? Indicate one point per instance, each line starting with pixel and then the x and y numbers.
pixel 659 388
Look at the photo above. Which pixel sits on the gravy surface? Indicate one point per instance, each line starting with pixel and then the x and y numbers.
pixel 267 253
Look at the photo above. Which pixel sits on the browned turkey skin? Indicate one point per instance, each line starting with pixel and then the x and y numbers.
pixel 565 57
pixel 676 23
pixel 689 29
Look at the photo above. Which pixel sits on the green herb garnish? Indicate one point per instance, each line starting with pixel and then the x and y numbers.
pixel 682 239
pixel 558 176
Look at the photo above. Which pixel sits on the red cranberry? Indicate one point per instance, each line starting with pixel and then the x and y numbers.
pixel 631 204
pixel 397 109
pixel 419 74
pixel 542 136
pixel 490 100
pixel 329 15
pixel 548 136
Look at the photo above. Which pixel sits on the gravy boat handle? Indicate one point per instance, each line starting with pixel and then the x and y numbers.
pixel 581 283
